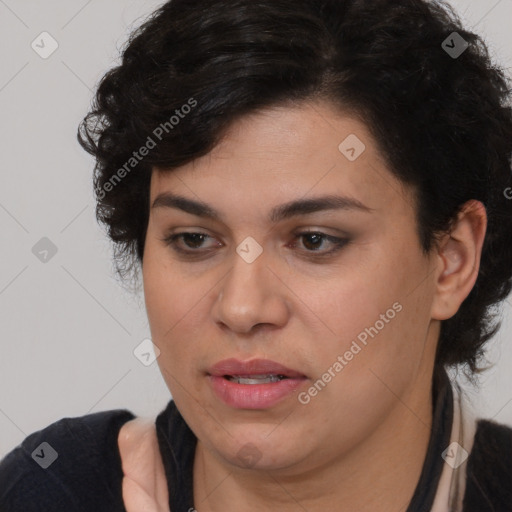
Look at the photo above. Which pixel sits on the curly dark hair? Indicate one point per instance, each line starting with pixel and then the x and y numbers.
pixel 442 120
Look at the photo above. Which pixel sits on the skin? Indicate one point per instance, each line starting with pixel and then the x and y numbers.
pixel 360 443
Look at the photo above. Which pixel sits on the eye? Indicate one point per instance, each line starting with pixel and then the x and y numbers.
pixel 313 242
pixel 192 241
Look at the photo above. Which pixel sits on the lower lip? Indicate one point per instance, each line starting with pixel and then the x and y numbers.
pixel 253 396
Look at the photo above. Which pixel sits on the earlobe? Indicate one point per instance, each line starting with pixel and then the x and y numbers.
pixel 458 258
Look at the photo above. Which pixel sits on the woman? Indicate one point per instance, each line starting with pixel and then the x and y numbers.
pixel 317 194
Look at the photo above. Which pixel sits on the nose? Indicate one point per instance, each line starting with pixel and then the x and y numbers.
pixel 251 295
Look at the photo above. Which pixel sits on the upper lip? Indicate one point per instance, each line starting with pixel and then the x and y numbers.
pixel 253 367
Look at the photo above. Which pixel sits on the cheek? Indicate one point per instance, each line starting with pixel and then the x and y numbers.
pixel 168 297
pixel 170 302
pixel 360 372
pixel 351 301
pixel 375 317
pixel 157 292
pixel 176 304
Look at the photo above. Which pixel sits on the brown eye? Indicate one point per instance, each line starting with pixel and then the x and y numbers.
pixel 314 241
pixel 192 242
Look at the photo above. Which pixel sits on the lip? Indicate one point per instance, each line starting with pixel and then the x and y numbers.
pixel 253 396
pixel 251 367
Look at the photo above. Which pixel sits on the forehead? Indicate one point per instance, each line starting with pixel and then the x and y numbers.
pixel 284 153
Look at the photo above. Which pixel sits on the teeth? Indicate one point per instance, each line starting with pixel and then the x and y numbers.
pixel 255 379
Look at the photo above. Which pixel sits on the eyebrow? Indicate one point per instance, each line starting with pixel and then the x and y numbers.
pixel 277 214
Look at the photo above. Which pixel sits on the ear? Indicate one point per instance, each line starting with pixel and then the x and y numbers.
pixel 458 257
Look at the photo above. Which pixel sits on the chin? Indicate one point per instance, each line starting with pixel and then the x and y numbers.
pixel 260 451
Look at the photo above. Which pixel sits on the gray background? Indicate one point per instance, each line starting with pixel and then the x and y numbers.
pixel 68 329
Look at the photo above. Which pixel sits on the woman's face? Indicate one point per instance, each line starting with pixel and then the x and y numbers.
pixel 352 319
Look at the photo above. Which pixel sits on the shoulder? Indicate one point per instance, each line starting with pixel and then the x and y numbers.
pixel 489 470
pixel 72 464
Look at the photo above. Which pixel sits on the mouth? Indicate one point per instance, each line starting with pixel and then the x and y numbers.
pixel 254 384
pixel 255 379
pixel 258 370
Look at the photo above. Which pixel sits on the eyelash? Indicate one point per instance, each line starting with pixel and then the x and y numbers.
pixel 338 243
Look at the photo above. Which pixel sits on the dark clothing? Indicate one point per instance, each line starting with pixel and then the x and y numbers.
pixel 86 476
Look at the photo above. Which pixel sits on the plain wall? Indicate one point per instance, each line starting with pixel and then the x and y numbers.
pixel 68 329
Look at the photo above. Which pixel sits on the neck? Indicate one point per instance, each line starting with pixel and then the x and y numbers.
pixel 379 474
